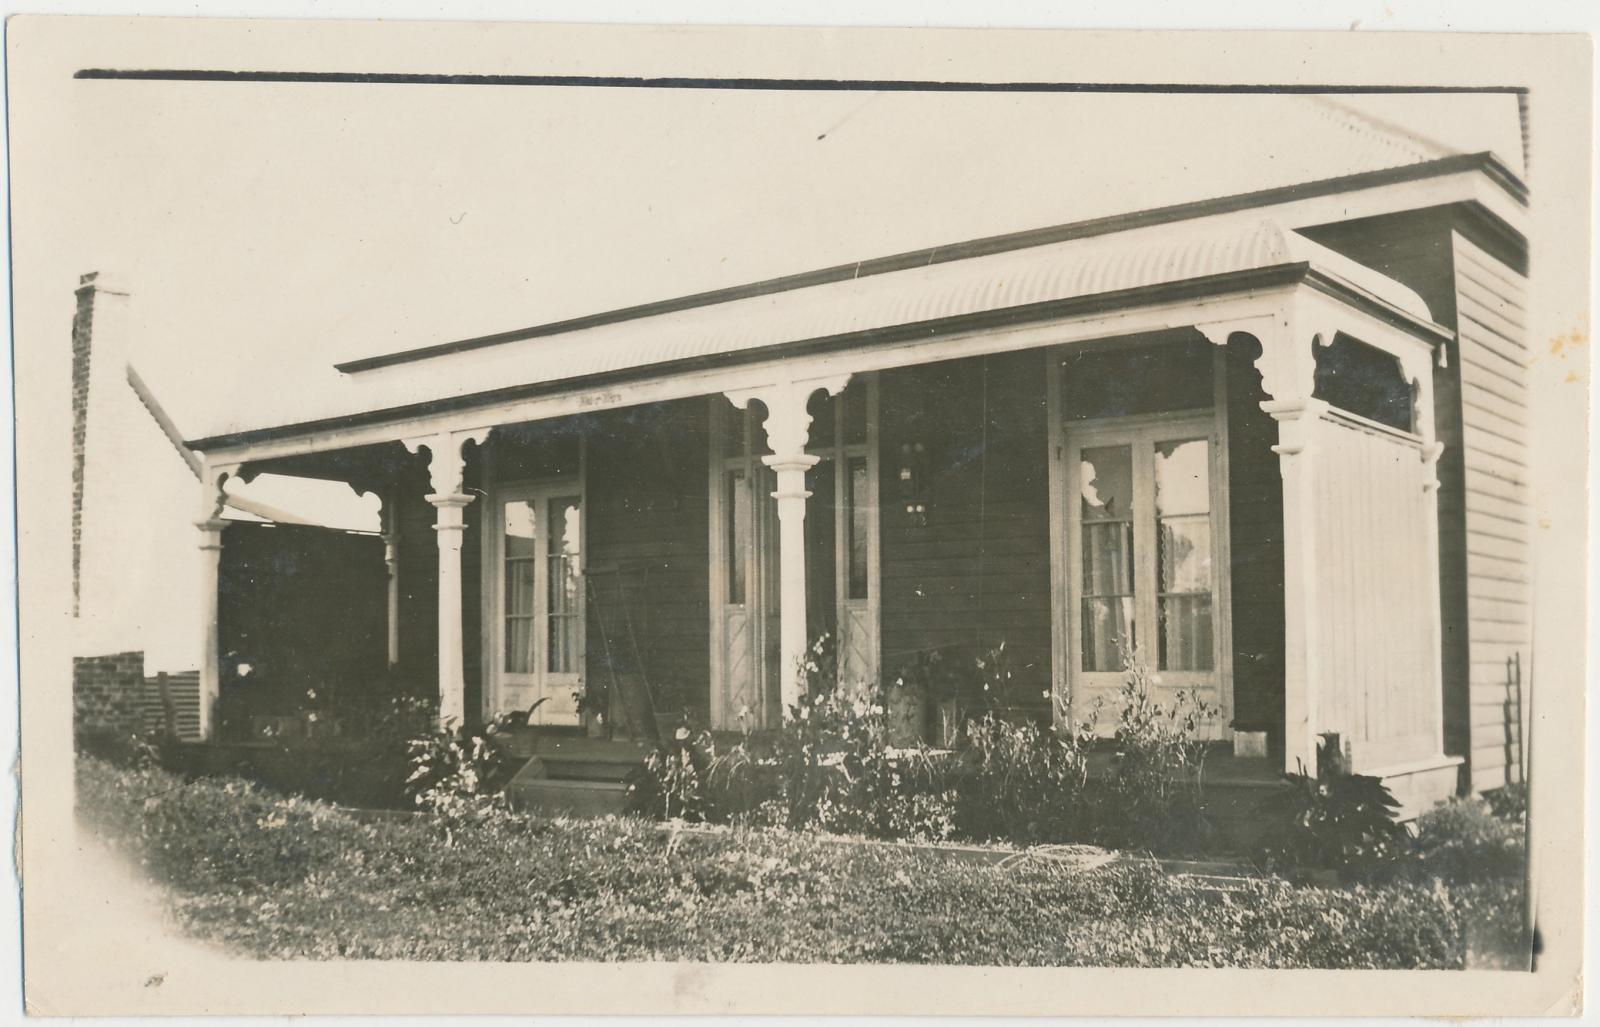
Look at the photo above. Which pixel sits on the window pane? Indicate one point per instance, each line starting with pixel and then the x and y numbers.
pixel 1185 554
pixel 860 527
pixel 1106 501
pixel 1186 638
pixel 520 529
pixel 1184 572
pixel 1107 483
pixel 519 645
pixel 563 583
pixel 1104 622
pixel 1183 477
pixel 519 588
pixel 738 538
pixel 563 644
pixel 1108 559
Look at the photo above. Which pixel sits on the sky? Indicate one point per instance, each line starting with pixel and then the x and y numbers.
pixel 266 231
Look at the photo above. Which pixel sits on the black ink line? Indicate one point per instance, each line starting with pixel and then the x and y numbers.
pixel 768 84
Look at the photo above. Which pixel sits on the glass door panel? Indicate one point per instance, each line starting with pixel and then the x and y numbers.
pixel 1184 574
pixel 1106 509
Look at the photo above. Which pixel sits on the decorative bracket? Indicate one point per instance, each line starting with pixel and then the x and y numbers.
pixel 446 461
pixel 213 491
pixel 788 423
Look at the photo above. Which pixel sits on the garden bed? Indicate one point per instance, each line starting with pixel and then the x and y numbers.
pixel 277 877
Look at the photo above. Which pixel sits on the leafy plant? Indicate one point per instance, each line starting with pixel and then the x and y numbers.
pixel 671 783
pixel 454 768
pixel 1332 819
pixel 1153 792
pixel 1465 841
pixel 1024 783
pixel 1509 802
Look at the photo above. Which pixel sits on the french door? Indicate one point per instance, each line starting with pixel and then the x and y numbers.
pixel 537 647
pixel 1146 558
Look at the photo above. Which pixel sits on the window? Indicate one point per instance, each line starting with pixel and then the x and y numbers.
pixel 1145 542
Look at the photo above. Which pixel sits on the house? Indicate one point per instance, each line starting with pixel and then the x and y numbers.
pixel 1277 438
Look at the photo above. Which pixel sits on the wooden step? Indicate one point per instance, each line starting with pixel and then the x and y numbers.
pixel 586 759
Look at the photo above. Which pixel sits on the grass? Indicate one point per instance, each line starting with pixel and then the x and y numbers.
pixel 275 877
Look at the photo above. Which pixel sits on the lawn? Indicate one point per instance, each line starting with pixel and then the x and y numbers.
pixel 277 877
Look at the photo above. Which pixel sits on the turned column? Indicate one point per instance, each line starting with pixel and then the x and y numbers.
pixel 787 426
pixel 210 523
pixel 391 563
pixel 1287 364
pixel 446 464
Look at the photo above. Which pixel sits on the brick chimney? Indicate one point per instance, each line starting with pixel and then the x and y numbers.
pixel 93 295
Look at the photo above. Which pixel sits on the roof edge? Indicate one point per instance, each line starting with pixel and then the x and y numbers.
pixel 1193 288
pixel 1484 161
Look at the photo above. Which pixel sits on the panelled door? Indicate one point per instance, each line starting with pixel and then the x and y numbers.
pixel 537 648
pixel 744 609
pixel 1146 545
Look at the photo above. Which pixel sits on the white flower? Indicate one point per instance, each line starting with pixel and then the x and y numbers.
pixel 682 734
pixel 245 669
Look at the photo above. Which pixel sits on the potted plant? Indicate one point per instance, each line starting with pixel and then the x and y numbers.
pixel 942 696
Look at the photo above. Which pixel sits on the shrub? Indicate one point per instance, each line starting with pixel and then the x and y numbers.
pixel 1333 820
pixel 1463 842
pixel 1024 783
pixel 1509 802
pixel 208 833
pixel 1152 796
pixel 120 748
pixel 453 768
pixel 830 766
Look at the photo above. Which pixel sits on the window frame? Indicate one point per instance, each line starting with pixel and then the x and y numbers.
pixel 1073 688
pixel 556 686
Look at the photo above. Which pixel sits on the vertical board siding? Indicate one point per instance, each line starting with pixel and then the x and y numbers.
pixel 1376 653
pixel 649 557
pixel 978 572
pixel 1492 302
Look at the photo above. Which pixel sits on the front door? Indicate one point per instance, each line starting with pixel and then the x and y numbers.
pixel 537 650
pixel 1145 549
